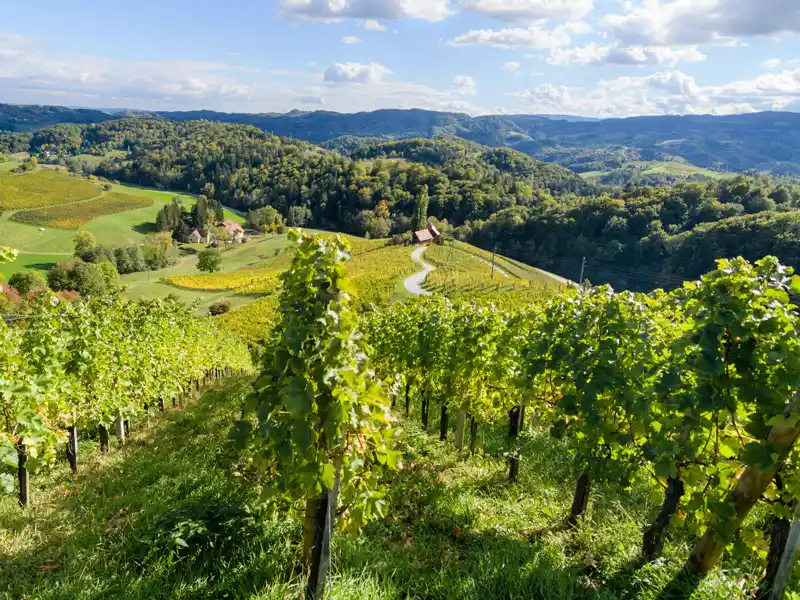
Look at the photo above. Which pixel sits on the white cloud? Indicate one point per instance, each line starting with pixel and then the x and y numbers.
pixel 534 36
pixel 512 66
pixel 674 22
pixel 370 10
pixel 772 63
pixel 618 56
pixel 309 99
pixel 351 39
pixel 353 72
pixel 529 10
pixel 372 25
pixel 464 85
pixel 667 92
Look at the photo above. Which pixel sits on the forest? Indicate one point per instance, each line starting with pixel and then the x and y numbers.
pixel 636 237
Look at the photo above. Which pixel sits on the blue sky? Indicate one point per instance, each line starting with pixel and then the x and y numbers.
pixel 598 58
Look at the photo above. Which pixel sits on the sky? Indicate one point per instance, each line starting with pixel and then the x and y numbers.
pixel 595 58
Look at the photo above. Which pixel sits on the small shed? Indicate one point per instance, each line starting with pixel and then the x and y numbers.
pixel 195 237
pixel 429 234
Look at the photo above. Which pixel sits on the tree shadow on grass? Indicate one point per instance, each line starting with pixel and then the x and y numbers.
pixel 145 228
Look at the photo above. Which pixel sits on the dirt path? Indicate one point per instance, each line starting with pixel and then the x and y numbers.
pixel 414 283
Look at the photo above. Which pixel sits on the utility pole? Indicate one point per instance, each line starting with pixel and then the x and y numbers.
pixel 583 267
pixel 494 249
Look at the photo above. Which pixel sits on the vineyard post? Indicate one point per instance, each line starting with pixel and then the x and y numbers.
pixel 408 398
pixel 516 418
pixel 581 499
pixel 103 432
pixel 778 536
pixel 787 560
pixel 119 425
pixel 72 447
pixel 23 477
pixel 320 518
pixel 425 408
pixel 473 434
pixel 161 404
pixel 653 539
pixel 443 423
pixel 127 423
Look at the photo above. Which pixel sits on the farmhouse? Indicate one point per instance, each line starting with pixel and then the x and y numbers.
pixel 234 230
pixel 195 237
pixel 429 234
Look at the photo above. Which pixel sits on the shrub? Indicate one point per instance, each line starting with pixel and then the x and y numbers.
pixel 26 281
pixel 220 307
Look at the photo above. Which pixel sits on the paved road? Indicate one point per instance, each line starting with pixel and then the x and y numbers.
pixel 414 283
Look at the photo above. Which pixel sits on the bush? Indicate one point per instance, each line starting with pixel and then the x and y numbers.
pixel 220 307
pixel 27 281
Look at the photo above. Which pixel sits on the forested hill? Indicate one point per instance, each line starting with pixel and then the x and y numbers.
pixel 766 142
pixel 637 237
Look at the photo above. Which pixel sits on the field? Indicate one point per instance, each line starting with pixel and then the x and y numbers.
pixel 119 229
pixel 73 216
pixel 655 167
pixel 43 188
pixel 455 530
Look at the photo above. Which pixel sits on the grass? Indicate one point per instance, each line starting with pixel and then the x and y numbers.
pixel 454 528
pixel 43 188
pixel 73 216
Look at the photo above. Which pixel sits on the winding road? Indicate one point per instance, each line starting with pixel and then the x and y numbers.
pixel 414 283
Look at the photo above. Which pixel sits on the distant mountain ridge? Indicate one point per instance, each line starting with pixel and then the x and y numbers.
pixel 760 142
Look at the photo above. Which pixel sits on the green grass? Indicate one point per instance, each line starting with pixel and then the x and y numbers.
pixel 454 528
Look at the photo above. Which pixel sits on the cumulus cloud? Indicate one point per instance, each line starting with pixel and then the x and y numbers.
pixel 529 10
pixel 620 56
pixel 772 63
pixel 512 66
pixel 353 72
pixel 351 39
pixel 464 85
pixel 666 92
pixel 678 22
pixel 372 25
pixel 369 10
pixel 535 36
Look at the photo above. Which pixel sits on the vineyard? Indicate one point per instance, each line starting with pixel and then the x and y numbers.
pixel 585 444
pixel 73 216
pixel 68 367
pixel 43 188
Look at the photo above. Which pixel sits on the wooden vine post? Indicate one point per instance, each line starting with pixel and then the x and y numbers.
pixel 516 417
pixel 328 422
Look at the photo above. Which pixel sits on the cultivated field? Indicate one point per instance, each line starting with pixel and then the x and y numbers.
pixel 73 216
pixel 43 188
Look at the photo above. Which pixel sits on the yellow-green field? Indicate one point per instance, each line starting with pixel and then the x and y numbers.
pixel 43 188
pixel 77 214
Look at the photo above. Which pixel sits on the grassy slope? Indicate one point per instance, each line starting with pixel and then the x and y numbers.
pixel 454 528
pixel 148 285
pixel 656 166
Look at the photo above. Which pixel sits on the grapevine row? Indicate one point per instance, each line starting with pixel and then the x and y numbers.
pixel 696 391
pixel 67 366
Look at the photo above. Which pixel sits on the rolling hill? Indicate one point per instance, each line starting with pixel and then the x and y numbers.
pixel 761 142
